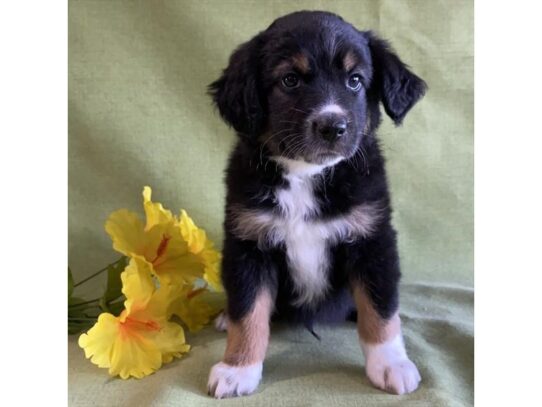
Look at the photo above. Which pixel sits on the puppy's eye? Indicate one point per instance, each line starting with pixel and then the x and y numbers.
pixel 290 80
pixel 354 82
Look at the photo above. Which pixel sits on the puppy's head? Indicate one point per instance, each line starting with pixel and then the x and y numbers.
pixel 310 85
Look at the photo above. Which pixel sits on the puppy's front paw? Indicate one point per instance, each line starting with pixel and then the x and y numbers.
pixel 396 377
pixel 231 381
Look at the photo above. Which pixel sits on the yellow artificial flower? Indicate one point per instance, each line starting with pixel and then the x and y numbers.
pixel 197 306
pixel 169 256
pixel 160 242
pixel 141 339
pixel 204 249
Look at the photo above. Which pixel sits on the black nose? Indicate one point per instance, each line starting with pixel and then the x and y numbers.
pixel 330 126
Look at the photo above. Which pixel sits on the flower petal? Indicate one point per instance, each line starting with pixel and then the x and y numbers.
pixel 159 307
pixel 99 341
pixel 134 355
pixel 196 307
pixel 126 230
pixel 174 263
pixel 171 341
pixel 154 211
pixel 179 268
pixel 211 259
pixel 137 284
pixel 195 236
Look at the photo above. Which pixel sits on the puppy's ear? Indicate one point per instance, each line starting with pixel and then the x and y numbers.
pixel 237 92
pixel 398 88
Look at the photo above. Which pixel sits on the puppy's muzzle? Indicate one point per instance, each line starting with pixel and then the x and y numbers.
pixel 330 126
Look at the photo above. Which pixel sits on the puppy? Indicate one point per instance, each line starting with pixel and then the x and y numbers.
pixel 308 234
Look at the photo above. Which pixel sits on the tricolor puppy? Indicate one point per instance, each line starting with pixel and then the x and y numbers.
pixel 308 235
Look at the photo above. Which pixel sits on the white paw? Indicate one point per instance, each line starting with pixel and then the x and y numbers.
pixel 389 368
pixel 398 377
pixel 231 381
pixel 221 322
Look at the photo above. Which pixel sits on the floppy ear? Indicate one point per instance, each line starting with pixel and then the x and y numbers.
pixel 398 88
pixel 237 92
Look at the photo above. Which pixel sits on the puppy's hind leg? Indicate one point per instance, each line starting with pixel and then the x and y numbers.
pixel 221 322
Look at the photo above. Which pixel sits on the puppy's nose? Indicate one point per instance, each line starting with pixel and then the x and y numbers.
pixel 330 126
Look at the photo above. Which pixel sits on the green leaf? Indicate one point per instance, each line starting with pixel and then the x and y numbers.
pixel 75 300
pixel 116 308
pixel 70 283
pixel 76 311
pixel 114 287
pixel 114 284
pixel 103 304
pixel 82 314
pixel 75 327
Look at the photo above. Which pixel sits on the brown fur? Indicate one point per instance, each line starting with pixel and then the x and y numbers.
pixel 372 328
pixel 248 338
pixel 299 62
pixel 261 226
pixel 349 61
pixel 282 68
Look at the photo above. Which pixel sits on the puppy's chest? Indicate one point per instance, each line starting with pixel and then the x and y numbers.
pixel 296 225
pixel 296 203
pixel 305 241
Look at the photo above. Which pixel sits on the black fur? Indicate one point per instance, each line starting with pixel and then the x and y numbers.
pixel 256 105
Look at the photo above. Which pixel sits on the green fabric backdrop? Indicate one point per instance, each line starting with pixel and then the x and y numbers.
pixel 139 115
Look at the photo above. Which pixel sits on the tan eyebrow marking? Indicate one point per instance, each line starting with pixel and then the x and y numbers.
pixel 297 61
pixel 349 61
pixel 301 62
pixel 282 68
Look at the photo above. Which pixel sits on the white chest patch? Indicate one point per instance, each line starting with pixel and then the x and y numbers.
pixel 306 237
pixel 306 250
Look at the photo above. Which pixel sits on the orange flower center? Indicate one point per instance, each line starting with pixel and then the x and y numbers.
pixel 131 326
pixel 162 247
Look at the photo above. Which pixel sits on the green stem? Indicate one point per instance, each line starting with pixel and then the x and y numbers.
pixel 117 302
pixel 98 272
pixel 84 303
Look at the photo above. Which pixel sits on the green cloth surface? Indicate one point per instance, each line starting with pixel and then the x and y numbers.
pixel 139 115
pixel 302 371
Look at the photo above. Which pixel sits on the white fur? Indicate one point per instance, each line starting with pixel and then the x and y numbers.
pixel 389 368
pixel 270 229
pixel 331 108
pixel 221 322
pixel 302 168
pixel 306 252
pixel 231 381
pixel 306 239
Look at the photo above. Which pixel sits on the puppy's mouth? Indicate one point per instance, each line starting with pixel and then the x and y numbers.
pixel 326 157
pixel 312 154
pixel 304 146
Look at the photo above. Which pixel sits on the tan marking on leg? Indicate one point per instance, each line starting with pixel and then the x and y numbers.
pixel 349 61
pixel 248 338
pixel 372 328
